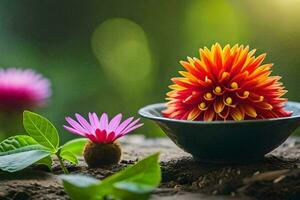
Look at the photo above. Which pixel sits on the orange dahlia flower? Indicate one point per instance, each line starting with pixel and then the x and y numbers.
pixel 226 84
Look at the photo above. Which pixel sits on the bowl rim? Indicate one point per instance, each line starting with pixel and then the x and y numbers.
pixel 144 112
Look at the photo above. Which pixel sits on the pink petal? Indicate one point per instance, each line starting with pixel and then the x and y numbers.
pixel 91 137
pixel 131 129
pixel 92 122
pixel 131 124
pixel 72 130
pixel 96 120
pixel 75 124
pixel 103 122
pixel 101 135
pixel 123 125
pixel 110 137
pixel 84 123
pixel 114 123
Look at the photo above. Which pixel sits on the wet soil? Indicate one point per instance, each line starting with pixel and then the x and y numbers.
pixel 277 177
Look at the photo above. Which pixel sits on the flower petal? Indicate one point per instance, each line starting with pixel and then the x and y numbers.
pixel 225 113
pixel 101 135
pixel 194 113
pixel 209 114
pixel 110 138
pixel 131 125
pixel 92 137
pixel 219 105
pixel 249 110
pixel 75 124
pixel 131 129
pixel 72 130
pixel 123 125
pixel 237 113
pixel 104 122
pixel 92 121
pixel 84 123
pixel 96 120
pixel 114 123
pixel 264 105
pixel 255 97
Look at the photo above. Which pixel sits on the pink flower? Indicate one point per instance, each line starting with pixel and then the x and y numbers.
pixel 101 131
pixel 22 89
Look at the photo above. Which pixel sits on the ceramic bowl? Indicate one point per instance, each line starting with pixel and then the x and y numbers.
pixel 229 141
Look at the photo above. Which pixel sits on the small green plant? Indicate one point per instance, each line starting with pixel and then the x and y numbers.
pixel 38 147
pixel 134 182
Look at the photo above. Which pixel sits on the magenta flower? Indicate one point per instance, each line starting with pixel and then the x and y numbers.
pixel 22 89
pixel 101 130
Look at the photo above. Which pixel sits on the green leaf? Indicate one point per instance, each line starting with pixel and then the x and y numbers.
pixel 19 152
pixel 134 182
pixel 80 187
pixel 69 156
pixel 41 129
pixel 45 161
pixel 128 195
pixel 19 143
pixel 79 180
pixel 75 146
pixel 18 161
pixel 133 187
pixel 147 172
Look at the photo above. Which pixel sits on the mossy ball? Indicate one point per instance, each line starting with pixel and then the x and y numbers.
pixel 101 154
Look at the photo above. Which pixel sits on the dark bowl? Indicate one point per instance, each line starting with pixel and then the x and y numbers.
pixel 229 141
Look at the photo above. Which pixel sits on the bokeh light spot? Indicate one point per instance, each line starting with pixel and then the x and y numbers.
pixel 121 47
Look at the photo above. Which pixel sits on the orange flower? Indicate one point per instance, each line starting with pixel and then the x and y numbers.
pixel 226 84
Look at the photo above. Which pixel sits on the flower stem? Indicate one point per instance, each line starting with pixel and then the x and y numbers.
pixel 65 170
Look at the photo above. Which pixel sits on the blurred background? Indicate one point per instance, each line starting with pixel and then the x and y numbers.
pixel 117 56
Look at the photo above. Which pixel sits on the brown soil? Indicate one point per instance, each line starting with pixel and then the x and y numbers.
pixel 276 178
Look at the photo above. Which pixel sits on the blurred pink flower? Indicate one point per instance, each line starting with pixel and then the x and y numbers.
pixel 101 130
pixel 22 89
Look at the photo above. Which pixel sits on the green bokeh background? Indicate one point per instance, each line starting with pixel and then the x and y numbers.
pixel 117 56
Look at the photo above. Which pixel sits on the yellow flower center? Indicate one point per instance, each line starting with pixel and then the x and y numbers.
pixel 202 105
pixel 234 85
pixel 218 89
pixel 208 95
pixel 246 93
pixel 228 100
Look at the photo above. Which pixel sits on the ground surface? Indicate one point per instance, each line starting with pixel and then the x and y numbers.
pixel 275 178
